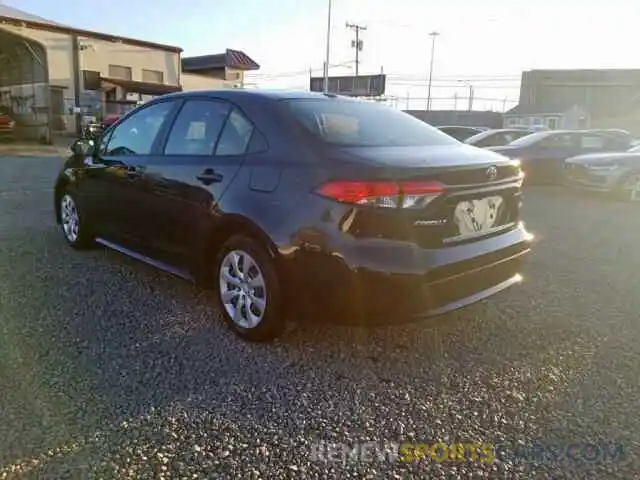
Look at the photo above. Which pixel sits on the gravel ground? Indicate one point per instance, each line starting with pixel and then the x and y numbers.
pixel 110 369
pixel 31 150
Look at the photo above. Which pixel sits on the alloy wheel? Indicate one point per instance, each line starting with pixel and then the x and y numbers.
pixel 242 289
pixel 69 218
pixel 631 187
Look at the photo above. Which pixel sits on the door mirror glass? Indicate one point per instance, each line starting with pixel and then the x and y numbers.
pixel 83 147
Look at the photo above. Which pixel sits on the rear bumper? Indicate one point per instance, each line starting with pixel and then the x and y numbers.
pixel 391 284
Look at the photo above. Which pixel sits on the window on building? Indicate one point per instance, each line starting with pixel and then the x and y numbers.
pixel 537 121
pixel 136 134
pixel 197 127
pixel 119 71
pixel 552 123
pixel 513 121
pixel 152 76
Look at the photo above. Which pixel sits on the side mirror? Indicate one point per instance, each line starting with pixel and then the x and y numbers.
pixel 83 147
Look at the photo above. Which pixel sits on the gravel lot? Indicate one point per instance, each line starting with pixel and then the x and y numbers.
pixel 110 369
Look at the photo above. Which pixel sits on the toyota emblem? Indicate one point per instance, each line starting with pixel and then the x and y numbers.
pixel 492 173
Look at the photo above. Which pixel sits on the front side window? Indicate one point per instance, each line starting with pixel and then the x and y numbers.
pixel 359 123
pixel 136 134
pixel 197 128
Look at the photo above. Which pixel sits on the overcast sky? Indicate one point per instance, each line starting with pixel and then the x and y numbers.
pixel 487 43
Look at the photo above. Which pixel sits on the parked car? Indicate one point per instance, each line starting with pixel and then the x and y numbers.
pixel 461 133
pixel 7 124
pixel 622 135
pixel 496 138
pixel 542 154
pixel 280 199
pixel 613 173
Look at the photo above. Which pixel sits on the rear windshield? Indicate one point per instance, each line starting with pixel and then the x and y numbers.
pixel 364 124
pixel 479 136
pixel 530 139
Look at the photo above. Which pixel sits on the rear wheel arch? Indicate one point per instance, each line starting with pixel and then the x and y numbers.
pixel 618 189
pixel 216 235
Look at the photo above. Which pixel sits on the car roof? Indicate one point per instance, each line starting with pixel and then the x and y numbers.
pixel 232 93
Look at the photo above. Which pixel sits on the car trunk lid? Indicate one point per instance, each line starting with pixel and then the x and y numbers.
pixel 465 193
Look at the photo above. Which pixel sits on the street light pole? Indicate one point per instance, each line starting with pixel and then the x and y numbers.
pixel 433 36
pixel 326 58
pixel 471 93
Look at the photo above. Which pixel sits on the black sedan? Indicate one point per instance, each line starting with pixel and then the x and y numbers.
pixel 281 200
pixel 614 173
pixel 543 154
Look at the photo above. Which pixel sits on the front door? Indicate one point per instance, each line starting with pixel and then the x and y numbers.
pixel 119 201
pixel 201 155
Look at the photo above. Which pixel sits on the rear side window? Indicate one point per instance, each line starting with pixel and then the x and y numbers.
pixel 235 135
pixel 197 128
pixel 558 140
pixel 592 141
pixel 361 123
pixel 492 140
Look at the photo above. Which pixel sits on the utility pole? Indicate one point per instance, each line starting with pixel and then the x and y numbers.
pixel 433 36
pixel 326 58
pixel 357 43
pixel 77 83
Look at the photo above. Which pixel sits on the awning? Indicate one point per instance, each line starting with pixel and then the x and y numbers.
pixel 145 88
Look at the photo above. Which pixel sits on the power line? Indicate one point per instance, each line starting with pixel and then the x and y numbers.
pixel 457 85
pixel 486 99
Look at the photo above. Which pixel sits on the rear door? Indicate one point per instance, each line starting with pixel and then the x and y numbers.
pixel 200 156
pixel 115 190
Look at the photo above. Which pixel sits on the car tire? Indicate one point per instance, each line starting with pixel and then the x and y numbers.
pixel 73 223
pixel 628 188
pixel 248 290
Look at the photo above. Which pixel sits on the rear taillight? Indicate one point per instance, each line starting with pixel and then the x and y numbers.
pixel 413 194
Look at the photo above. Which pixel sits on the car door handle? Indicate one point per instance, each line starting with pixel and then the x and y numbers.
pixel 210 176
